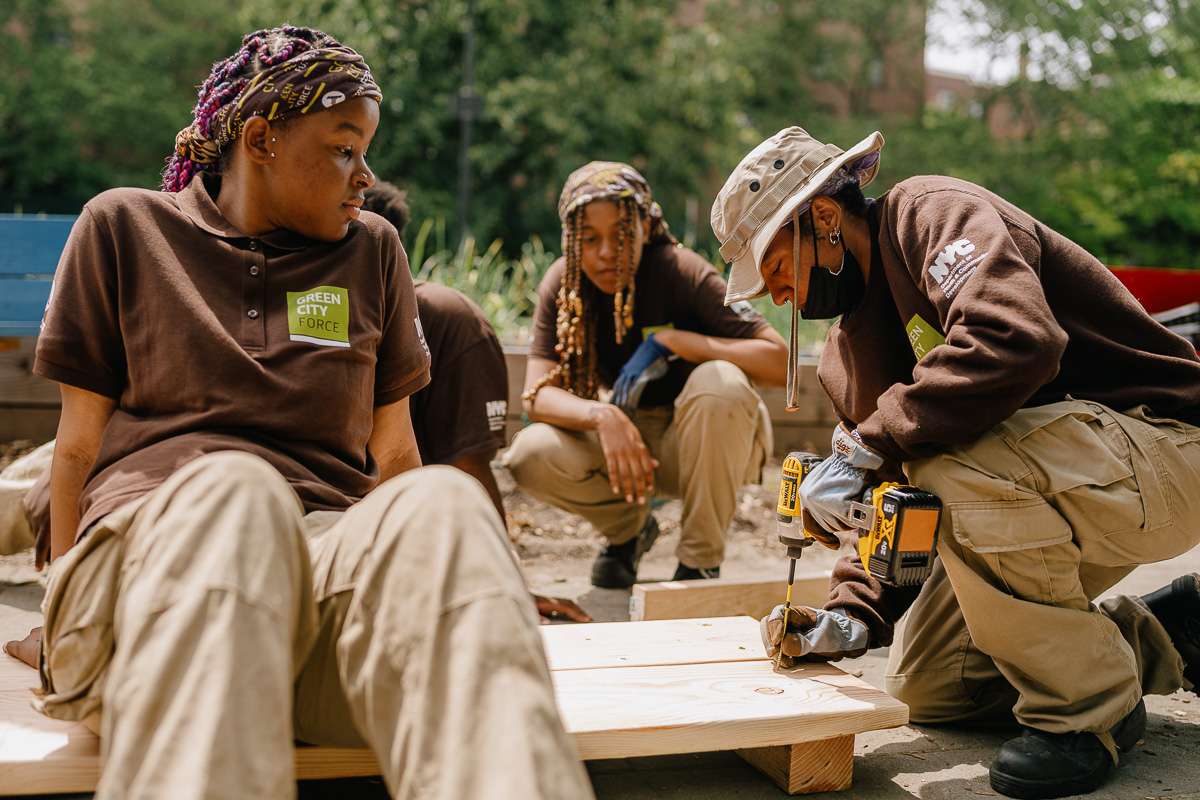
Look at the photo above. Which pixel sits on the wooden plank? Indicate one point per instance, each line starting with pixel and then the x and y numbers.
pixel 612 712
pixel 824 766
pixel 38 425
pixel 721 597
pixel 19 387
pixel 32 243
pixel 40 755
pixel 647 644
pixel 22 301
pixel 691 708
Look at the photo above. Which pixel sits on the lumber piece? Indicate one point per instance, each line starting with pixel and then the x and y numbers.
pixel 724 597
pixel 692 708
pixel 648 644
pixel 40 755
pixel 824 766
pixel 19 387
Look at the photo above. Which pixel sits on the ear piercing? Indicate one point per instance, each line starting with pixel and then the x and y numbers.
pixel 834 236
pixel 272 142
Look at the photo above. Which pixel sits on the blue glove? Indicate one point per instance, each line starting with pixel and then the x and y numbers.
pixel 828 634
pixel 648 363
pixel 830 487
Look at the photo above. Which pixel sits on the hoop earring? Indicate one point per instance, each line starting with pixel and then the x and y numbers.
pixel 835 236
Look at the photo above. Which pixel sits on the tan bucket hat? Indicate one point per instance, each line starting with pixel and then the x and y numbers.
pixel 779 175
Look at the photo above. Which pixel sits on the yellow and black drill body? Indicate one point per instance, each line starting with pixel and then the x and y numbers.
pixel 898 525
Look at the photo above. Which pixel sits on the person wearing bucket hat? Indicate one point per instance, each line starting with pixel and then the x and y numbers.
pixel 243 551
pixel 628 308
pixel 986 358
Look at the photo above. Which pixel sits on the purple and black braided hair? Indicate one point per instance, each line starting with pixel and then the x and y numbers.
pixel 260 50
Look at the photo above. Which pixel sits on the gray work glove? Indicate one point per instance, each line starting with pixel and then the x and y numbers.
pixel 828 490
pixel 827 635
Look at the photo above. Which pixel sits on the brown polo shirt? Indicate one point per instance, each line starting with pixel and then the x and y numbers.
pixel 463 411
pixel 210 340
pixel 674 288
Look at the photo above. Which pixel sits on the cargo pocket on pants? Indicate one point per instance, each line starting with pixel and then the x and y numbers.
pixel 1084 462
pixel 1017 544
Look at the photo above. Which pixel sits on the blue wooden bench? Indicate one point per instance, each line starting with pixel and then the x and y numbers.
pixel 30 246
pixel 29 251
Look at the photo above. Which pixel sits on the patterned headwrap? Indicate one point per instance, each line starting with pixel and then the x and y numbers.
pixel 612 180
pixel 845 174
pixel 311 81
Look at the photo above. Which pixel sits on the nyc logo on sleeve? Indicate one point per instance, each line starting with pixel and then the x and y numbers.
pixel 957 262
pixel 320 316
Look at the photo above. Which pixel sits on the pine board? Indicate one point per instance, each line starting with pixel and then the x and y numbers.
pixel 725 597
pixel 647 644
pixel 39 755
pixel 623 689
pixel 643 711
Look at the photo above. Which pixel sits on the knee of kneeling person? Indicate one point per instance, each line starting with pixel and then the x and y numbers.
pixel 928 703
pixel 530 453
pixel 715 385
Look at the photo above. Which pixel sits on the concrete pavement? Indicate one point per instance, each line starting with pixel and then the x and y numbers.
pixel 913 761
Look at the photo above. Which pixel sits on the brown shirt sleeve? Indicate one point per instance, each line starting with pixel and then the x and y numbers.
pixel 464 409
pixel 80 342
pixel 403 365
pixel 877 605
pixel 545 316
pixel 706 289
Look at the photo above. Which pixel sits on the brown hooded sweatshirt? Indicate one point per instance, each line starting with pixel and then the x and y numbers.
pixel 973 310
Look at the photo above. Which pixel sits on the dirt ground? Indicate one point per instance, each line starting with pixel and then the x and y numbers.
pixel 557 549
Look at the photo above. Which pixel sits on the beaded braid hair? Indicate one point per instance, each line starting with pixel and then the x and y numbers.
pixel 580 304
pixel 194 149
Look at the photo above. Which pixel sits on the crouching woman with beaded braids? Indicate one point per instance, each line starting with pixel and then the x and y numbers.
pixel 243 552
pixel 627 307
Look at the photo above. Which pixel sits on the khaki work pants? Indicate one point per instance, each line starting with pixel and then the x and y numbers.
pixel 1041 516
pixel 404 625
pixel 713 441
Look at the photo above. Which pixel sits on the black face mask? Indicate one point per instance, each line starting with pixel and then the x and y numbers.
pixel 832 295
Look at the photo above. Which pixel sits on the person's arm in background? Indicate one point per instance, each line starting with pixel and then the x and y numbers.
pixel 479 467
pixel 763 358
pixel 392 440
pixel 81 426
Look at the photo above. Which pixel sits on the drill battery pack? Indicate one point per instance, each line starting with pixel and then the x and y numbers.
pixel 899 532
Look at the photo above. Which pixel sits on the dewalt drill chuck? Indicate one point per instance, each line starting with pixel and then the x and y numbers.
pixel 787 512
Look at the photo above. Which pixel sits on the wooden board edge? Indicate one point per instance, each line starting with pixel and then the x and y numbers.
pixel 723 597
pixel 826 765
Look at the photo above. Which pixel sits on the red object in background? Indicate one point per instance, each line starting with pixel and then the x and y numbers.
pixel 1160 289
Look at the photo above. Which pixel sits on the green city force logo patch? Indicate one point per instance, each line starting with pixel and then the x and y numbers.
pixel 320 316
pixel 922 336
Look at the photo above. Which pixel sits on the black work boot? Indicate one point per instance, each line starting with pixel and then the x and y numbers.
pixel 616 566
pixel 1177 607
pixel 686 573
pixel 1042 765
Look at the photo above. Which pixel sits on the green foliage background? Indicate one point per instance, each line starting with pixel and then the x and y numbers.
pixel 92 94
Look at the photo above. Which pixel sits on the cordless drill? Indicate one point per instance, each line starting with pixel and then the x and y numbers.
pixel 898 527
